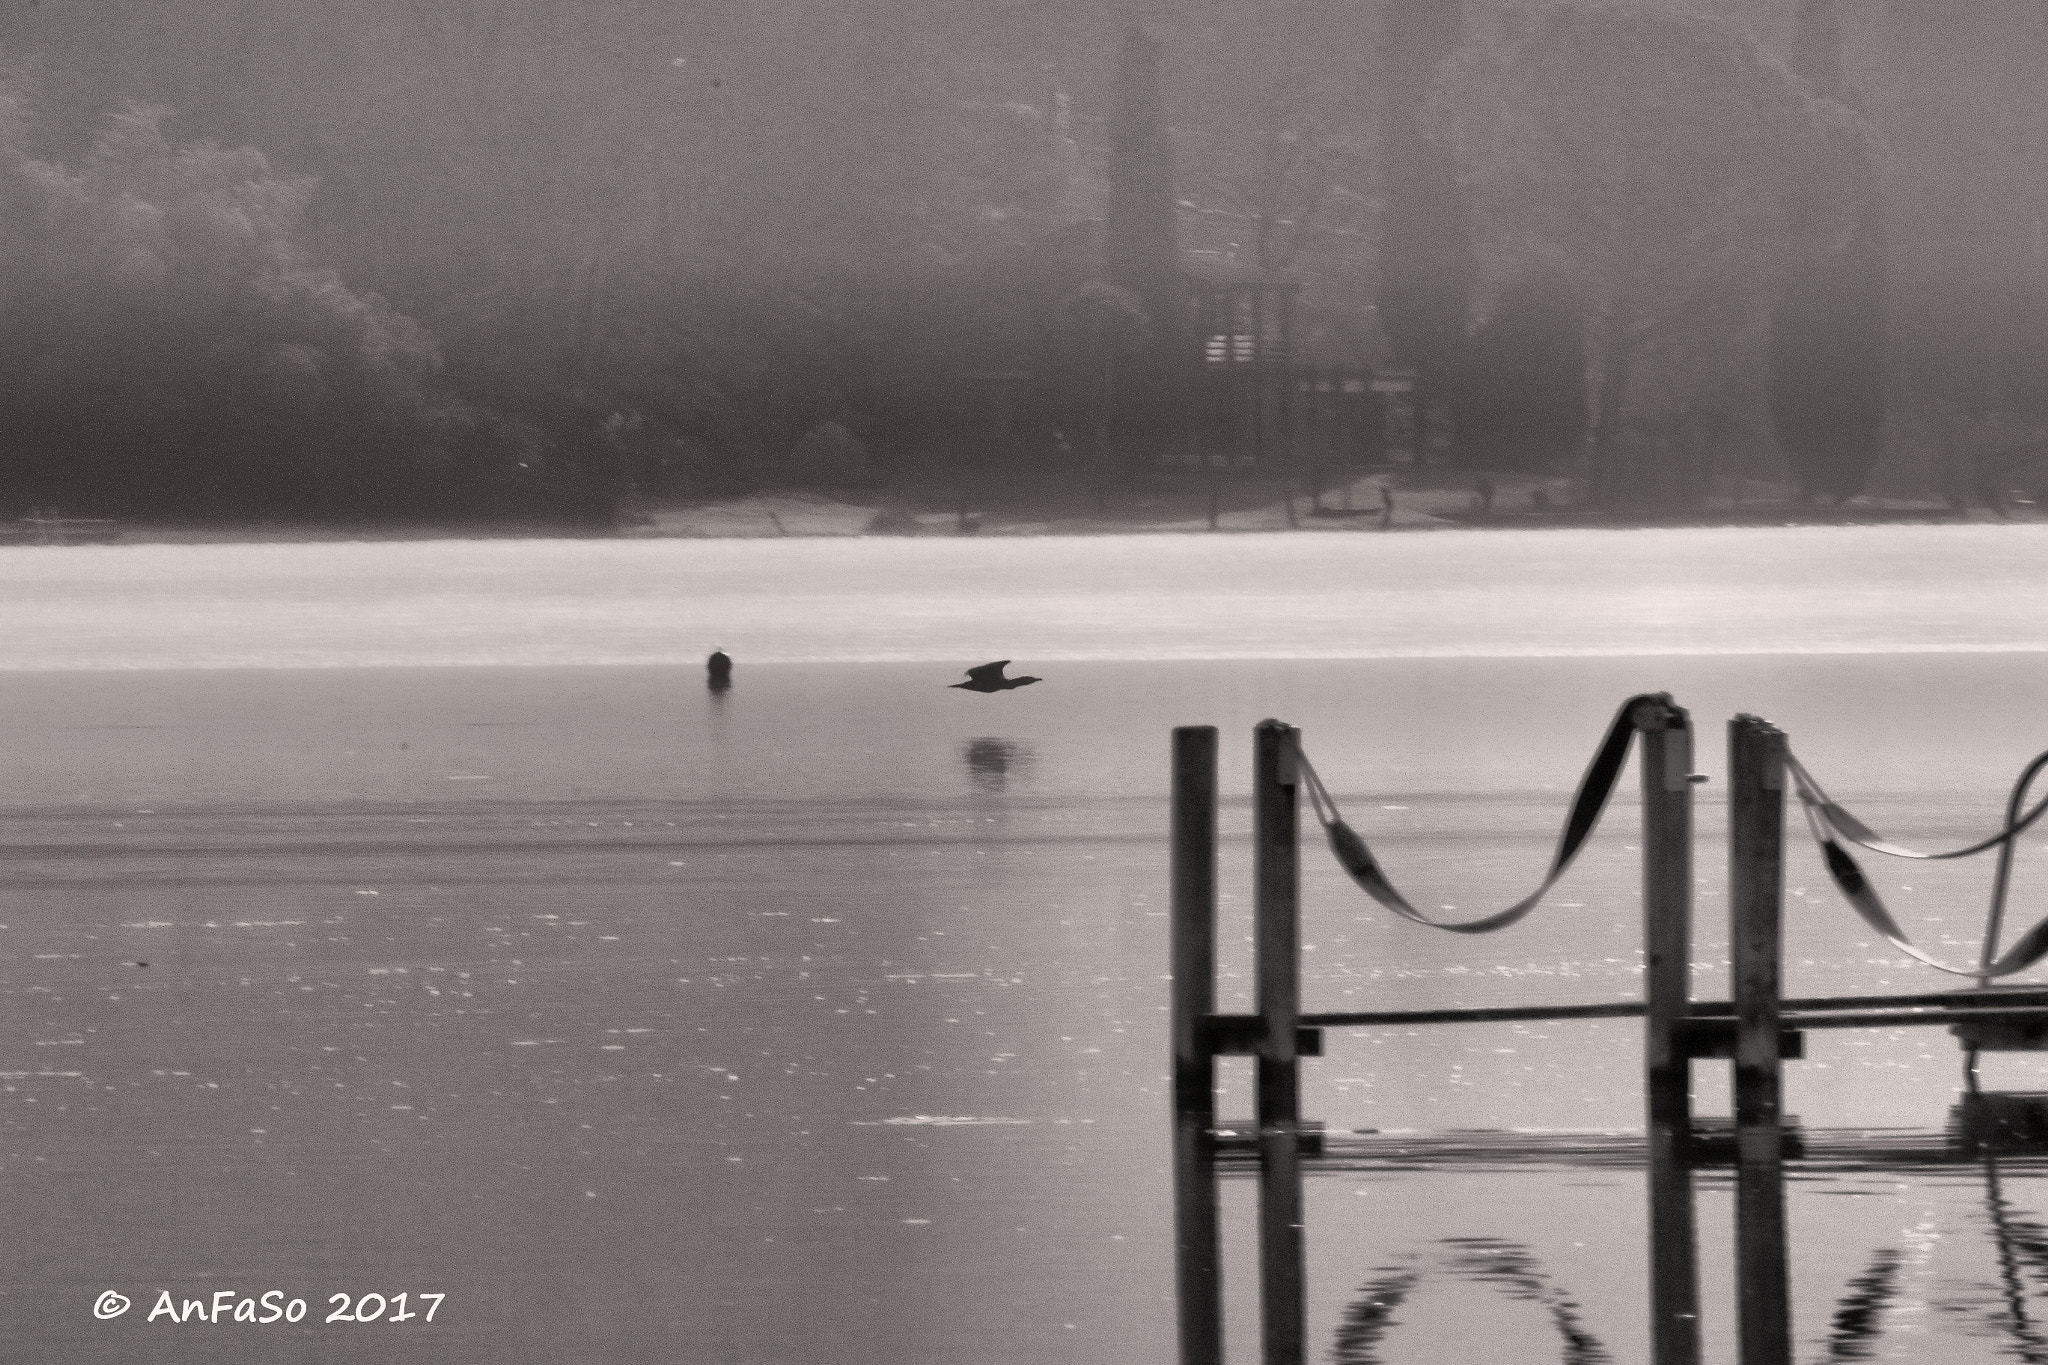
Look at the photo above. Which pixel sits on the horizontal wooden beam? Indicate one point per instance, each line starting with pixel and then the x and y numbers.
pixel 1503 1014
pixel 1999 997
pixel 2036 1014
pixel 1716 1037
pixel 1240 1033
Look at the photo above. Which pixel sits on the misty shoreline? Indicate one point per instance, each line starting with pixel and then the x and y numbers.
pixel 1371 503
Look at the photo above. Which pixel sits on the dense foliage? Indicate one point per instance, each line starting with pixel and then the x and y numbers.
pixel 169 348
pixel 500 254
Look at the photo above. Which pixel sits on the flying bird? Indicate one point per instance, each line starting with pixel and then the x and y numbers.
pixel 989 678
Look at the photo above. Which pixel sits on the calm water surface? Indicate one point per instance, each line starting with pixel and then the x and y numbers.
pixel 824 1020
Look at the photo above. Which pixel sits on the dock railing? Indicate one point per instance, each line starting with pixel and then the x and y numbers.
pixel 1758 1029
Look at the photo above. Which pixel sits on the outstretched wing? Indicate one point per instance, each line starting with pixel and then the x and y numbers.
pixel 988 672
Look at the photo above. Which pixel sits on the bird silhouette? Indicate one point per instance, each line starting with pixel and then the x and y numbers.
pixel 989 678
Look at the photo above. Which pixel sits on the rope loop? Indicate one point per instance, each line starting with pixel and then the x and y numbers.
pixel 1832 827
pixel 1588 803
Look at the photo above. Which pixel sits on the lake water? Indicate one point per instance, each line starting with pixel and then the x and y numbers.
pixel 491 956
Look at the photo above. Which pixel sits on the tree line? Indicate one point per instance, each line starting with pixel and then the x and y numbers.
pixel 517 258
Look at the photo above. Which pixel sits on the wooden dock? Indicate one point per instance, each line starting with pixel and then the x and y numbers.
pixel 1759 1029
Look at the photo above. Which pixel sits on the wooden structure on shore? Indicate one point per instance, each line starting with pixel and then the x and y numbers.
pixel 1254 400
pixel 1758 1029
pixel 1239 412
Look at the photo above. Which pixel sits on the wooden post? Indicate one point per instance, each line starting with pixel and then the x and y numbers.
pixel 1756 882
pixel 1198 1279
pixel 1277 963
pixel 1665 733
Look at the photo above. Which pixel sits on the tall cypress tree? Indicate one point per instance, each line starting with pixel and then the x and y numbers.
pixel 1141 253
pixel 1140 245
pixel 1426 255
pixel 1828 331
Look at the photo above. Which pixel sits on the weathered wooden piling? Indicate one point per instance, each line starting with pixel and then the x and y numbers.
pixel 1756 881
pixel 1664 732
pixel 1198 1259
pixel 1276 937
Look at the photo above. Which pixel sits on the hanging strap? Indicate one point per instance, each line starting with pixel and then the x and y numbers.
pixel 1587 804
pixel 1826 820
pixel 1856 832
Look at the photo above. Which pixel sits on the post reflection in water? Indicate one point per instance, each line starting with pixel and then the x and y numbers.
pixel 1884 1310
pixel 991 761
pixel 2019 1238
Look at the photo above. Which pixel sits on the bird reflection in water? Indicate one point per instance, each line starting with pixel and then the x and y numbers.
pixel 990 762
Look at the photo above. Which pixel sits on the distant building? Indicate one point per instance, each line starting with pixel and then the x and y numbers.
pixel 1257 380
pixel 1238 365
